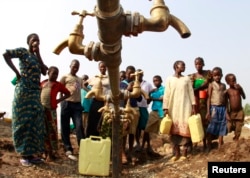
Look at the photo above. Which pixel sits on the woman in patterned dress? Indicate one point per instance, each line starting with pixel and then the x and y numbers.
pixel 27 112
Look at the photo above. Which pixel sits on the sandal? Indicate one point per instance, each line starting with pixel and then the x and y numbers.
pixel 72 157
pixel 25 162
pixel 183 158
pixel 174 158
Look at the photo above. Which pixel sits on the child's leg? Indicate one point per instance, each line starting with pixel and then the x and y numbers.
pixel 131 139
pixel 124 158
pixel 204 139
pixel 146 139
pixel 209 142
pixel 177 150
pixel 185 148
pixel 238 127
pixel 220 141
pixel 177 153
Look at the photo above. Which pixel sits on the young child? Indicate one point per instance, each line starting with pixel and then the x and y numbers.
pixel 50 88
pixel 179 104
pixel 127 84
pixel 86 102
pixel 235 110
pixel 155 116
pixel 201 79
pixel 216 108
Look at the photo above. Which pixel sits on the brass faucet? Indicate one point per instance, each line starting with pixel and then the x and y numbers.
pixel 159 21
pixel 137 91
pixel 76 37
pixel 97 90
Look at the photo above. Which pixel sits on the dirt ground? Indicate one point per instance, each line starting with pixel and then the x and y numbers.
pixel 143 166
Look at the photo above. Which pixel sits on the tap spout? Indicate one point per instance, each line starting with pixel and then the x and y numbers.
pixel 74 42
pixel 179 26
pixel 159 21
pixel 60 47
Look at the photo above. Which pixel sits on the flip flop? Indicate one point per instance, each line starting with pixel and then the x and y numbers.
pixel 174 158
pixel 183 158
pixel 72 157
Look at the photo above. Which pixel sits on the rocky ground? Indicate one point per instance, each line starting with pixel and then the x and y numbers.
pixel 143 166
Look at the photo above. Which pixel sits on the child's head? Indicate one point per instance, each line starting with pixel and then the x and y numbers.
pixel 199 63
pixel 140 76
pixel 231 79
pixel 85 77
pixel 217 74
pixel 53 73
pixel 102 67
pixel 130 70
pixel 122 75
pixel 179 66
pixel 157 80
pixel 74 66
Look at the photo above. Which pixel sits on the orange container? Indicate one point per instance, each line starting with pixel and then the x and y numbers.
pixel 202 94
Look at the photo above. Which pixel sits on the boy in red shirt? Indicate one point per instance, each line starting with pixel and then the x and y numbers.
pixel 50 88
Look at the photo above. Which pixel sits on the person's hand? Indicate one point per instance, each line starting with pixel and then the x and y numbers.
pixel 18 76
pixel 228 117
pixel 130 86
pixel 194 110
pixel 208 116
pixel 165 112
pixel 35 47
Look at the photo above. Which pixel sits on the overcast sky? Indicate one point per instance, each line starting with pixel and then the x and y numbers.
pixel 220 34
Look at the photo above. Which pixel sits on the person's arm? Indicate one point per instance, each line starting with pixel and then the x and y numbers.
pixel 62 81
pixel 209 93
pixel 207 81
pixel 191 96
pixel 166 97
pixel 44 68
pixel 85 86
pixel 8 60
pixel 242 93
pixel 227 103
pixel 64 93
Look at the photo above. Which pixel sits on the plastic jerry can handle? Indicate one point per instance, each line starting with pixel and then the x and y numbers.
pixel 96 138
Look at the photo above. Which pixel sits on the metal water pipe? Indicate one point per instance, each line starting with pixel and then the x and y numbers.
pixel 113 23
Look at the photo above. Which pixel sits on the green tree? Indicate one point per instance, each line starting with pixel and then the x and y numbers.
pixel 247 109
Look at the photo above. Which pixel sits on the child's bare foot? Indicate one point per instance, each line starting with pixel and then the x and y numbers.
pixel 236 138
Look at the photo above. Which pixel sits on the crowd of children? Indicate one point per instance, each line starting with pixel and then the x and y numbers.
pixel 202 92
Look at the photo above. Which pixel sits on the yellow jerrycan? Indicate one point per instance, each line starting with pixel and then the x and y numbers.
pixel 165 125
pixel 94 156
pixel 196 128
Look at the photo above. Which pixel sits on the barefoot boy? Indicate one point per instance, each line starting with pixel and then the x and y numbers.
pixel 235 110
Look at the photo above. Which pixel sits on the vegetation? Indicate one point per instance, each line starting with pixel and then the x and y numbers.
pixel 247 109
